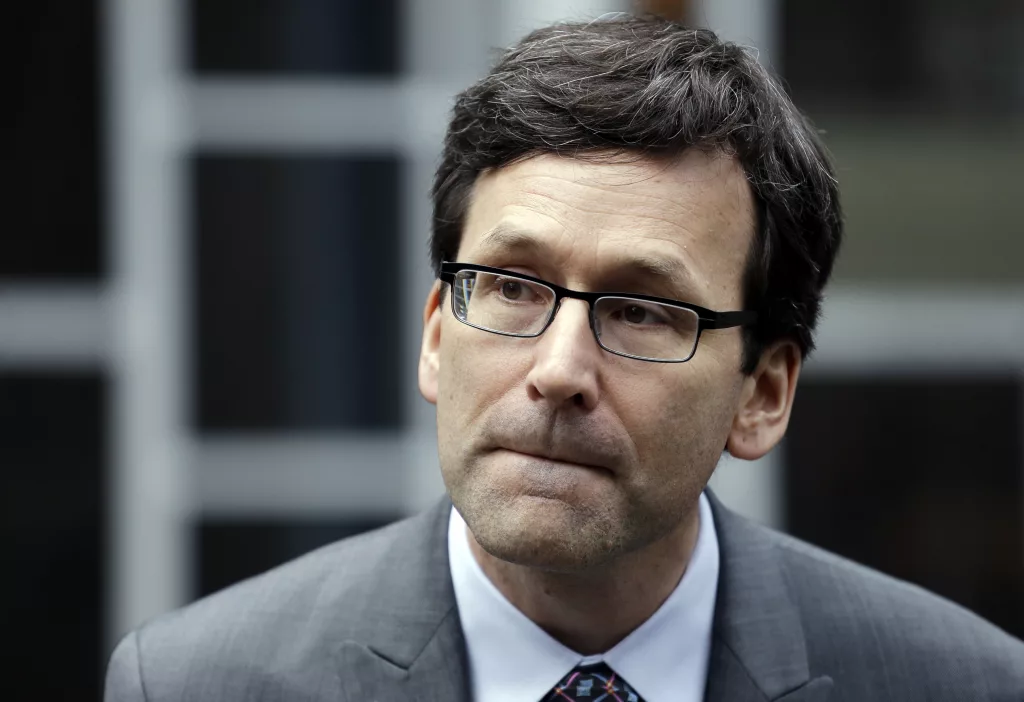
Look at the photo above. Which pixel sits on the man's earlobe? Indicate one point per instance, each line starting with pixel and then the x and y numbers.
pixel 430 346
pixel 766 403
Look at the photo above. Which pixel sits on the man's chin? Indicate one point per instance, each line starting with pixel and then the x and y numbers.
pixel 543 533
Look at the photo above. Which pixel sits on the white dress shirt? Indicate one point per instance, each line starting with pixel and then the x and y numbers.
pixel 511 659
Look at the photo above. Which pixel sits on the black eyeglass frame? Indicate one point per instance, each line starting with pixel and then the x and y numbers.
pixel 706 319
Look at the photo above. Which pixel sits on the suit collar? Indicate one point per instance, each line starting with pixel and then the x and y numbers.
pixel 412 647
pixel 758 649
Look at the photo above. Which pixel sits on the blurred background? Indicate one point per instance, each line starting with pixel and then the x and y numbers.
pixel 202 195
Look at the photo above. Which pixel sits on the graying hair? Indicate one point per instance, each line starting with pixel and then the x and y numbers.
pixel 647 87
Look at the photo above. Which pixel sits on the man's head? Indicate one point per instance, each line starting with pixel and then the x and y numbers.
pixel 589 150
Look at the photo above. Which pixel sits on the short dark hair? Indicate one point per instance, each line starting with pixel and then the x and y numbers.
pixel 646 86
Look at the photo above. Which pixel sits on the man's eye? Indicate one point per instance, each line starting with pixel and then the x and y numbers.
pixel 515 290
pixel 640 315
pixel 635 314
pixel 512 289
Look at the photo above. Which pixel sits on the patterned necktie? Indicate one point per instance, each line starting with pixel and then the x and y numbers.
pixel 592 683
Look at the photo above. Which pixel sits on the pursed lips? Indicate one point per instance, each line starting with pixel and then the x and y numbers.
pixel 574 459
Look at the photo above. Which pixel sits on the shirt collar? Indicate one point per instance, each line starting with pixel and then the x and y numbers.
pixel 511 658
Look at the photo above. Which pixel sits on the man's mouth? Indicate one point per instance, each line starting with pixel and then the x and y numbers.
pixel 560 458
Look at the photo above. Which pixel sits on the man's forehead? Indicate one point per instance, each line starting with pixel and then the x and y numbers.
pixel 697 184
pixel 662 213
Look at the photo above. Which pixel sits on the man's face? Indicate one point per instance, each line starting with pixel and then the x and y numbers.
pixel 558 454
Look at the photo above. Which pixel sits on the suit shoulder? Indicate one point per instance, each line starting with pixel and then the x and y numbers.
pixel 289 618
pixel 338 570
pixel 850 610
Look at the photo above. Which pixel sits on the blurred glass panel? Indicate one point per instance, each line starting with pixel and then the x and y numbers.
pixel 229 551
pixel 53 214
pixel 52 434
pixel 295 36
pixel 930 203
pixel 921 478
pixel 922 103
pixel 298 288
pixel 927 56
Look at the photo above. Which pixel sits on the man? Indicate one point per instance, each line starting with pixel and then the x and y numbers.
pixel 632 229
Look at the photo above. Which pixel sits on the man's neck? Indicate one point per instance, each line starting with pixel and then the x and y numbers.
pixel 592 611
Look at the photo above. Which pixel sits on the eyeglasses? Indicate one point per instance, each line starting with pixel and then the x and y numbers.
pixel 635 326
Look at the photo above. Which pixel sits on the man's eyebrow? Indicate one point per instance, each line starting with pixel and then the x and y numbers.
pixel 505 238
pixel 635 266
pixel 671 274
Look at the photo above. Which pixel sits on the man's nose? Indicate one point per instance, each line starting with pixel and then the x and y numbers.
pixel 566 359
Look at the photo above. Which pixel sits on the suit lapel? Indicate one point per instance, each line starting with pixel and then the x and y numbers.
pixel 412 647
pixel 437 674
pixel 758 649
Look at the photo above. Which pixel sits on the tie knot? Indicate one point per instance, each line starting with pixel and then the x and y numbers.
pixel 593 683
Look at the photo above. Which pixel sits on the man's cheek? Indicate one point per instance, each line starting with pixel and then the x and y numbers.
pixel 464 388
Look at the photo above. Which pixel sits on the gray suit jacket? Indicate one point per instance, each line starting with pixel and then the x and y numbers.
pixel 374 618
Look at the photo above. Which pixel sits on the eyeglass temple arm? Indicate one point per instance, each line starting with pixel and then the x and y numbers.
pixel 725 320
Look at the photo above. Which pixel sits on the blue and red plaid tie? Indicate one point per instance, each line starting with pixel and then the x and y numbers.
pixel 592 683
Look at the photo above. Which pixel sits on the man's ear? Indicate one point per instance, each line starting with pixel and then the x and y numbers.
pixel 765 403
pixel 431 345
